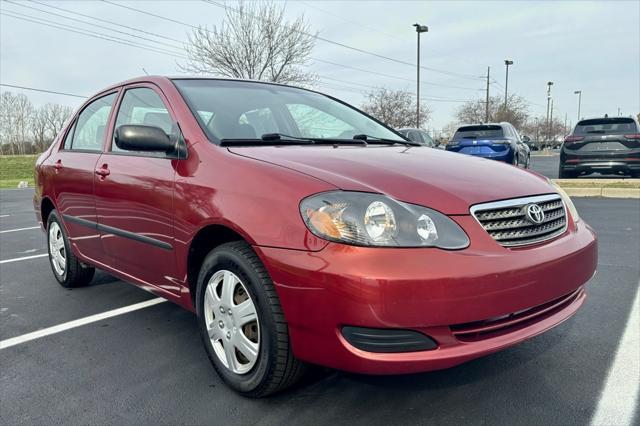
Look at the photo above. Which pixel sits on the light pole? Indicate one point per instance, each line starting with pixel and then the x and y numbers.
pixel 549 84
pixel 579 93
pixel 506 82
pixel 419 29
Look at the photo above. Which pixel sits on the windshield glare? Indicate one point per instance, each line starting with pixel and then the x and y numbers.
pixel 228 109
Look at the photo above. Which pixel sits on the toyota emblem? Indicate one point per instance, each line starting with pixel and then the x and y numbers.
pixel 534 213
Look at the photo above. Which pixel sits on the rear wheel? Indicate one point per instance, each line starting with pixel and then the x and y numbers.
pixel 564 174
pixel 241 322
pixel 66 267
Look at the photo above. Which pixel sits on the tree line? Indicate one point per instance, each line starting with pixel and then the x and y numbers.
pixel 25 129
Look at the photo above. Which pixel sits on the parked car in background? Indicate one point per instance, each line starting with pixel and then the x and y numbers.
pixel 301 231
pixel 418 135
pixel 608 145
pixel 495 141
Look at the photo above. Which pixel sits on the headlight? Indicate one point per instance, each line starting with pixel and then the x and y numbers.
pixel 365 219
pixel 567 201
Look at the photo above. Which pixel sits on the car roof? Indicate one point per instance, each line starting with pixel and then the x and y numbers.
pixel 160 79
pixel 502 123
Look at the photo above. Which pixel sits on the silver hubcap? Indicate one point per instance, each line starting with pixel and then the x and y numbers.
pixel 57 253
pixel 232 322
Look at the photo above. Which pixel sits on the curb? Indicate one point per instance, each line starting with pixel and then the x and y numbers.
pixel 600 188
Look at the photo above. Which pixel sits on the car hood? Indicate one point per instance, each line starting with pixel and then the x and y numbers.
pixel 441 180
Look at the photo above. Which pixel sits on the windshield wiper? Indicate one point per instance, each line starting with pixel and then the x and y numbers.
pixel 267 139
pixel 281 136
pixel 375 139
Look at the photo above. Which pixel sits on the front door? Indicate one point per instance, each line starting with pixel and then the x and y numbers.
pixel 74 171
pixel 134 196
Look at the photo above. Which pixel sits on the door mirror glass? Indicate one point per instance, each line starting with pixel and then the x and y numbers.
pixel 132 137
pixel 526 139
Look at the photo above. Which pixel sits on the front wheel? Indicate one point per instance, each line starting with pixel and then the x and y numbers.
pixel 241 322
pixel 66 267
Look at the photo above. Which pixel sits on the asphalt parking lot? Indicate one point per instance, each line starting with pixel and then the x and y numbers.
pixel 149 367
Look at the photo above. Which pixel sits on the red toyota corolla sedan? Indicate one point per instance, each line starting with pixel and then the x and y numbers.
pixel 302 231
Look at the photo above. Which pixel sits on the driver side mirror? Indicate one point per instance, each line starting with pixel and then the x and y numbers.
pixel 526 139
pixel 135 137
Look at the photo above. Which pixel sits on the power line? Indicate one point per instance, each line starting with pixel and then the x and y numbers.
pixel 391 75
pixel 346 46
pixel 42 90
pixel 77 30
pixel 108 22
pixel 186 24
pixel 90 23
pixel 348 21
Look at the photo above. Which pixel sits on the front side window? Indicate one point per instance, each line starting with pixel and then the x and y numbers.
pixel 228 109
pixel 88 134
pixel 142 106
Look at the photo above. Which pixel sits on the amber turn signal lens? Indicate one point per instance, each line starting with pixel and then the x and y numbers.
pixel 323 223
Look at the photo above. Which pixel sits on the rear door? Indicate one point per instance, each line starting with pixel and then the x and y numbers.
pixel 74 169
pixel 134 195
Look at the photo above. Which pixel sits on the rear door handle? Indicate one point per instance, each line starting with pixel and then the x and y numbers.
pixel 103 171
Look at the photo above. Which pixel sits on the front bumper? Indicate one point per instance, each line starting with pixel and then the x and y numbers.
pixel 432 291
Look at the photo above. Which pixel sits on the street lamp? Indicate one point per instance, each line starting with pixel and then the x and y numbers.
pixel 506 82
pixel 549 84
pixel 579 93
pixel 419 29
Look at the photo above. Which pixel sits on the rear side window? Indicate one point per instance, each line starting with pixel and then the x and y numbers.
pixel 88 132
pixel 480 131
pixel 618 125
pixel 143 106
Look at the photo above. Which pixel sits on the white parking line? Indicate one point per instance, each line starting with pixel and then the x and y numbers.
pixel 19 229
pixel 18 259
pixel 619 396
pixel 77 323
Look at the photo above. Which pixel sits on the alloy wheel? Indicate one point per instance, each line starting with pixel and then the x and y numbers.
pixel 232 322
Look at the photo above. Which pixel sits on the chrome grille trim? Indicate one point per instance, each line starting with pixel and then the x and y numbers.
pixel 505 221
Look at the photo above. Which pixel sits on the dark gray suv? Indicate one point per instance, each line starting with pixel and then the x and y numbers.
pixel 608 145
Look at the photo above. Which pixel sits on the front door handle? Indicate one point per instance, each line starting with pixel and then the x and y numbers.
pixel 103 171
pixel 57 165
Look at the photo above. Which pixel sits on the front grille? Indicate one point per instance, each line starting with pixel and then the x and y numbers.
pixel 507 221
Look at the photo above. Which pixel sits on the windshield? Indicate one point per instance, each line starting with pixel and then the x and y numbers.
pixel 242 110
pixel 478 132
pixel 606 125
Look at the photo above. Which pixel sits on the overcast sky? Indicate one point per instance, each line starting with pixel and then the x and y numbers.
pixel 579 45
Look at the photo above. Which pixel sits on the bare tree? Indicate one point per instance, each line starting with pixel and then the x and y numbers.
pixel 256 42
pixel 516 113
pixel 39 129
pixel 55 116
pixel 15 121
pixel 397 108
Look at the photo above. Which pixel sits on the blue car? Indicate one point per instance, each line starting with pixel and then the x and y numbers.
pixel 495 141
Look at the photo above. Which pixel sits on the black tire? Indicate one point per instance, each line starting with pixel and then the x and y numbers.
pixel 275 367
pixel 563 174
pixel 75 274
pixel 528 163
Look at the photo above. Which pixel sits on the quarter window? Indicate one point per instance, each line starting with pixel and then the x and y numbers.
pixel 143 106
pixel 88 132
